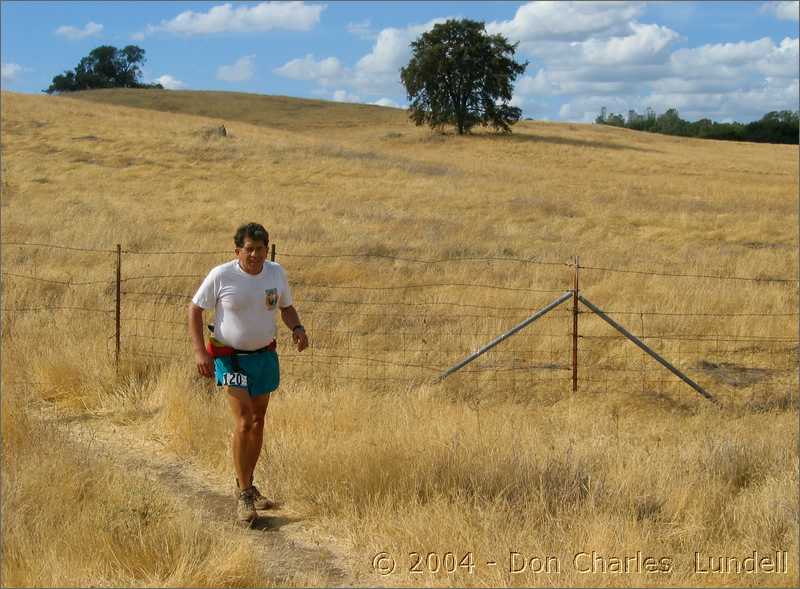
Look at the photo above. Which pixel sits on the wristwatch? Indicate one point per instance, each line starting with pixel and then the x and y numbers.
pixel 298 326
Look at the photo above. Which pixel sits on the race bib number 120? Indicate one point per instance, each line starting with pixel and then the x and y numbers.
pixel 234 379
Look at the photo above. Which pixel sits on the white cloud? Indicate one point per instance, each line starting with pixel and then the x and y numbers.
pixel 594 87
pixel 241 18
pixel 569 76
pixel 392 50
pixel 345 96
pixel 674 85
pixel 386 102
pixel 362 29
pixel 137 36
pixel 76 34
pixel 735 60
pixel 308 68
pixel 643 44
pixel 782 60
pixel 9 72
pixel 624 64
pixel 169 82
pixel 593 74
pixel 389 52
pixel 722 54
pixel 376 74
pixel 567 21
pixel 538 85
pixel 586 49
pixel 743 104
pixel 784 10
pixel 518 101
pixel 646 44
pixel 243 69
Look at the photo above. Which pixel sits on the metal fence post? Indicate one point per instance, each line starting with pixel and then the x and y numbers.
pixel 119 302
pixel 575 329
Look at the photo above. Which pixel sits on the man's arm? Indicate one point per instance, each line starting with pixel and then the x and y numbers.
pixel 292 321
pixel 205 364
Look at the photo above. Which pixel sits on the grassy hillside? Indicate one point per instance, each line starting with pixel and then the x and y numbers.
pixel 610 194
pixel 280 112
pixel 502 458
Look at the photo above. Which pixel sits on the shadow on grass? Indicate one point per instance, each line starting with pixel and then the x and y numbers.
pixel 550 139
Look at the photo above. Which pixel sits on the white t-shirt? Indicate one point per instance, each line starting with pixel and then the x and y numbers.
pixel 244 304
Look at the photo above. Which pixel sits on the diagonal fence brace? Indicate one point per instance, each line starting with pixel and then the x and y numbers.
pixel 647 349
pixel 543 311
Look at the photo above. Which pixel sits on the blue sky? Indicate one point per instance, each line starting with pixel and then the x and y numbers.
pixel 722 60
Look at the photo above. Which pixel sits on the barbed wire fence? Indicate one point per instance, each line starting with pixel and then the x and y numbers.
pixel 377 336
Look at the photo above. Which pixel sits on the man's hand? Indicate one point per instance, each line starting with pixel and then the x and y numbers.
pixel 300 339
pixel 292 321
pixel 205 363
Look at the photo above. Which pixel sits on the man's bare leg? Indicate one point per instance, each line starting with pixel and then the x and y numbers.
pixel 244 416
pixel 256 441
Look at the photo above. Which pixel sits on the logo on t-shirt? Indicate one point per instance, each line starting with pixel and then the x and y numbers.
pixel 272 297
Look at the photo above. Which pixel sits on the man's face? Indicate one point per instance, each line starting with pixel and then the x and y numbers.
pixel 252 255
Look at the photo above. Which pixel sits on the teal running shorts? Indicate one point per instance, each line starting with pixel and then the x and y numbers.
pixel 259 373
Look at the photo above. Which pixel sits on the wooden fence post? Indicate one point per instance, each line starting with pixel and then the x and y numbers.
pixel 119 302
pixel 272 253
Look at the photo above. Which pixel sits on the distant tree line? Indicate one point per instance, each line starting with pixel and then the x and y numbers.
pixel 104 67
pixel 774 127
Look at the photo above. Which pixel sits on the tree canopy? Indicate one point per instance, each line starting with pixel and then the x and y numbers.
pixel 459 75
pixel 104 67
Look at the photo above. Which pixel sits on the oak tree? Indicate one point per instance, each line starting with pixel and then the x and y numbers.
pixel 460 75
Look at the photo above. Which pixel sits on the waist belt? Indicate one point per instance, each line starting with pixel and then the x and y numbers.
pixel 216 349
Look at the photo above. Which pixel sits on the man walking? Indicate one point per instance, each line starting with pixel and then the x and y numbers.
pixel 245 293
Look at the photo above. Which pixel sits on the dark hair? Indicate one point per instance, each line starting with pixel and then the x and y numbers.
pixel 254 231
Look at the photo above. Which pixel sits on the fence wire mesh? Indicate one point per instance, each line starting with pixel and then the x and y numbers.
pixel 381 330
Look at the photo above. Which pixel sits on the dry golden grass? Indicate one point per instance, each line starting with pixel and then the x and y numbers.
pixel 72 518
pixel 489 463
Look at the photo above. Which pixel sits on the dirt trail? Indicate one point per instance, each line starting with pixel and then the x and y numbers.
pixel 289 551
